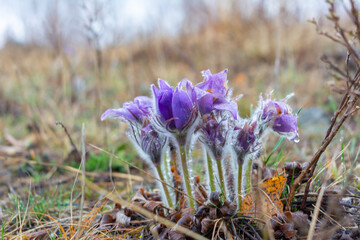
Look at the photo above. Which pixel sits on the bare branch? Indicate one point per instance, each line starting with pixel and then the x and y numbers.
pixel 351 94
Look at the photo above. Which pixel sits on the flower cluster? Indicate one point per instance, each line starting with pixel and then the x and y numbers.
pixel 208 113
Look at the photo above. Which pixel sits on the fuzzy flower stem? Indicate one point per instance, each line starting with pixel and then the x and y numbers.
pixel 166 190
pixel 221 176
pixel 239 187
pixel 210 172
pixel 248 176
pixel 167 167
pixel 186 174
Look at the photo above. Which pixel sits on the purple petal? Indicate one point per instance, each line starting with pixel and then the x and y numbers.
pixel 199 92
pixel 269 110
pixel 206 74
pixel 191 91
pixel 163 100
pixel 214 83
pixel 164 105
pixel 156 91
pixel 205 104
pixel 144 103
pixel 246 139
pixel 135 111
pixel 282 108
pixel 189 88
pixel 181 107
pixel 183 83
pixel 285 123
pixel 273 108
pixel 223 105
pixel 164 85
pixel 118 113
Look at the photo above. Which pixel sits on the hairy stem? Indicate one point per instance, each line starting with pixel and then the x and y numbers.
pixel 167 166
pixel 166 190
pixel 173 162
pixel 186 175
pixel 210 172
pixel 239 186
pixel 248 176
pixel 221 176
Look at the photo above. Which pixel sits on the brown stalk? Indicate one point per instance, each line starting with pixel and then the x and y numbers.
pixel 348 103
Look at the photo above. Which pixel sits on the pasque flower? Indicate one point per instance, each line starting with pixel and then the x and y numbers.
pixel 144 137
pixel 175 108
pixel 245 140
pixel 149 143
pixel 176 112
pixel 134 112
pixel 212 94
pixel 246 144
pixel 214 134
pixel 152 143
pixel 278 115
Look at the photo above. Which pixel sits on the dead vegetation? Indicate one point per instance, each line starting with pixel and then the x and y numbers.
pixel 45 194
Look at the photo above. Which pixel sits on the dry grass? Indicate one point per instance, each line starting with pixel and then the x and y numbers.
pixel 40 86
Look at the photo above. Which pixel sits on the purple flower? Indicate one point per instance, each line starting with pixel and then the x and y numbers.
pixel 246 140
pixel 211 94
pixel 142 134
pixel 279 116
pixel 175 108
pixel 134 111
pixel 152 143
pixel 214 83
pixel 214 134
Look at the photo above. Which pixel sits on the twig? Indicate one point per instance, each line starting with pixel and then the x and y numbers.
pixel 253 229
pixel 243 230
pixel 69 137
pixel 348 103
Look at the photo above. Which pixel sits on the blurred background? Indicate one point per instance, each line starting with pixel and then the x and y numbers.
pixel 69 61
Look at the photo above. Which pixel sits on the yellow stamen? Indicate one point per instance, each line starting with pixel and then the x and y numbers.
pixel 210 91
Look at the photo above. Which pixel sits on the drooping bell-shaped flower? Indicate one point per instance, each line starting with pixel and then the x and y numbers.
pixel 213 95
pixel 133 112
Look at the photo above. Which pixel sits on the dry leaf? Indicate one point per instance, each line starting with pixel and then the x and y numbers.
pixel 152 206
pixel 177 177
pixel 265 201
pixel 206 225
pixel 228 209
pixel 200 191
pixel 184 221
pixel 289 225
